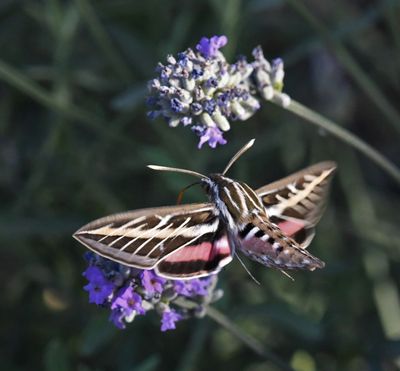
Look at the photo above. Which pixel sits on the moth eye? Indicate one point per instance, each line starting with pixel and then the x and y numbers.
pixel 206 187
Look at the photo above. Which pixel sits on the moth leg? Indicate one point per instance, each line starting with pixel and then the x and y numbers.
pixel 286 274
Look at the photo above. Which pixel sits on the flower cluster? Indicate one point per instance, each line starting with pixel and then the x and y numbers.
pixel 129 292
pixel 202 90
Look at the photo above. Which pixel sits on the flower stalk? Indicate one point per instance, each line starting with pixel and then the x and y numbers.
pixel 245 338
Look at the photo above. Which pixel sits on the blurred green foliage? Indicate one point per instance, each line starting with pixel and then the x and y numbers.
pixel 75 141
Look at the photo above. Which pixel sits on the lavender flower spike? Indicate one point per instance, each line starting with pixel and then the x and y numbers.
pixel 128 292
pixel 200 89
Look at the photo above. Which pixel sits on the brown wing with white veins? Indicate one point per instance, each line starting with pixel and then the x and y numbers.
pixel 180 241
pixel 267 244
pixel 296 203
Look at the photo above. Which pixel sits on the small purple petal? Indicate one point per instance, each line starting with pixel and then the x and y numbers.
pixel 168 320
pixel 211 83
pixel 151 101
pixel 200 286
pixel 186 120
pixel 277 62
pixel 128 301
pixel 180 287
pixel 209 47
pixel 196 108
pixel 194 287
pixel 213 136
pixel 197 72
pixel 93 273
pixel 117 317
pixel 151 282
pixel 176 105
pixel 88 256
pixel 209 106
pixel 99 288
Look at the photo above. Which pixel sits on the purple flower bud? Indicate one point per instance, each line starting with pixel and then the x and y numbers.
pixel 88 256
pixel 176 105
pixel 209 105
pixel 185 121
pixel 193 287
pixel 197 72
pixel 181 56
pixel 117 317
pixel 277 62
pixel 151 101
pixel 211 83
pixel 223 99
pixel 196 108
pixel 198 129
pixel 153 114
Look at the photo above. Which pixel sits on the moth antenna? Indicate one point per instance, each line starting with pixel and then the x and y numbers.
pixel 177 170
pixel 237 155
pixel 247 270
pixel 286 274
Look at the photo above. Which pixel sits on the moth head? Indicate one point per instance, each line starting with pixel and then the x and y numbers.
pixel 206 184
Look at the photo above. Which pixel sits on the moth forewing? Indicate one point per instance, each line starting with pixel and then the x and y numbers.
pixel 144 238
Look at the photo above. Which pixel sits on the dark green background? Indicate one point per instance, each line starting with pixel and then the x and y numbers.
pixel 74 142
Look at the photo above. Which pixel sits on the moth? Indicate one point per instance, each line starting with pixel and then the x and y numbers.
pixel 272 225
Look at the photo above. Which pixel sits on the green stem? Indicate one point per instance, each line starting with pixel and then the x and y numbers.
pixel 346 136
pixel 225 322
pixel 251 342
pixel 350 64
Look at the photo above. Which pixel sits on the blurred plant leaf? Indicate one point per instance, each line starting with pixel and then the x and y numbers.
pixel 97 333
pixel 56 356
pixel 149 364
pixel 283 317
pixel 130 99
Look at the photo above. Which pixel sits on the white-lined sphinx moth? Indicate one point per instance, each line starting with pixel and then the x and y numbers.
pixel 272 225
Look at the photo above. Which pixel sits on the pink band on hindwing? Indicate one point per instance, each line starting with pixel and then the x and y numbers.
pixel 290 227
pixel 204 251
